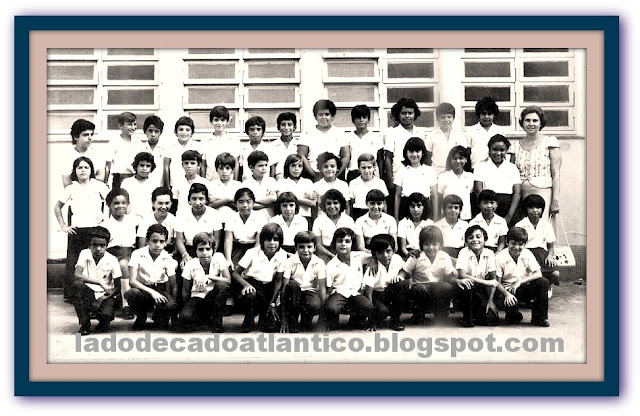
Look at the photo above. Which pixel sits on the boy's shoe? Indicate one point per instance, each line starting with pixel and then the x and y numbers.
pixel 397 326
pixel 417 318
pixel 466 323
pixel 85 329
pixel 513 318
pixel 542 323
pixel 140 323
pixel 103 326
pixel 127 314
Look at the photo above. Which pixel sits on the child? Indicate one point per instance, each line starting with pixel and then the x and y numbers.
pixel 153 281
pixel 123 149
pixel 501 176
pixel 520 277
pixel 122 227
pixel 289 220
pixel 323 138
pixel 362 184
pixel 286 146
pixel 184 130
pixel 243 228
pixel 304 289
pixel 375 222
pixel 363 141
pixel 160 205
pixel 224 187
pixel 409 227
pixel 221 141
pixel 292 181
pixel 479 134
pixel 94 288
pixel 85 199
pixel 345 283
pixel 263 186
pixel 140 186
pixel 206 286
pixel 416 176
pixel 494 224
pixel 541 237
pixel 385 287
pixel 330 165
pixel 452 227
pixel 254 128
pixel 455 180
pixel 476 284
pixel 324 227
pixel 152 128
pixel 191 164
pixel 81 137
pixel 259 275
pixel 430 275
pixel 444 138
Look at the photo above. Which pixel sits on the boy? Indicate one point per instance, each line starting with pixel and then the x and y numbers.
pixel 362 184
pixel 323 138
pixel 375 222
pixel 221 141
pixel 152 128
pixel 224 187
pixel 153 281
pixel 254 128
pixel 160 205
pixel 123 149
pixel 264 187
pixel 82 132
pixel 94 287
pixel 330 165
pixel 363 141
pixel 304 289
pixel 519 275
pixel 444 138
pixel 140 186
pixel 479 134
pixel 280 149
pixel 184 130
pixel 191 164
pixel 206 285
pixel 495 226
pixel 452 227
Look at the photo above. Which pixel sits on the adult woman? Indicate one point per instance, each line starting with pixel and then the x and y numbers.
pixel 538 158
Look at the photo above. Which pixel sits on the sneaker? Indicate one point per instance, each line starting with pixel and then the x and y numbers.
pixel 397 326
pixel 103 326
pixel 127 314
pixel 542 323
pixel 85 329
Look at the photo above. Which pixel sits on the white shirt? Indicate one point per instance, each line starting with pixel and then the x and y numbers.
pixel 438 144
pixel 368 227
pixel 214 146
pixel 478 138
pixel 358 190
pixel 224 191
pixel 512 271
pixel 152 271
pixel 193 270
pixel 181 188
pixel 369 143
pixel 499 179
pixel 121 153
pixel 411 232
pixel 496 228
pixel 452 236
pixel 318 142
pixel 256 264
pixel 308 278
pixel 139 195
pixel 86 202
pixel 422 270
pixel 322 186
pixel 169 223
pixel 245 232
pixel 324 227
pixel 189 226
pixel 175 151
pixel 267 187
pixel 298 223
pixel 107 269
pixel 347 279
pixel 279 152
pixel 395 140
pixel 380 280
pixel 246 149
pixel 478 269
pixel 539 236
pixel 123 233
pixel 303 187
pixel 451 184
pixel 419 179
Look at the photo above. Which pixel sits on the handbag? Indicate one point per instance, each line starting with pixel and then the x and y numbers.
pixel 563 253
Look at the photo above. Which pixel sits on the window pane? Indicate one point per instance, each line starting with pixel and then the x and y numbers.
pixel 351 93
pixel 557 118
pixel 502 119
pixel 112 121
pixel 426 119
pixel 343 119
pixel 212 71
pixel 210 96
pixel 486 50
pixel 271 116
pixel 410 50
pixel 543 50
pixel 419 94
pixel 63 121
pixel 70 51
pixel 546 69
pixel 271 95
pixel 349 50
pixel 130 51
pixel 70 72
pixel 272 70
pixel 351 69
pixel 497 93
pixel 70 96
pixel 131 97
pixel 546 93
pixel 410 70
pixel 131 72
pixel 206 51
pixel 487 69
pixel 271 50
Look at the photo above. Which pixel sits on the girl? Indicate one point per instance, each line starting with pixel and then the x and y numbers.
pixel 455 180
pixel 333 204
pixel 415 176
pixel 289 220
pixel 85 197
pixel 140 186
pixel 243 228
pixel 330 166
pixel 410 226
pixel 302 187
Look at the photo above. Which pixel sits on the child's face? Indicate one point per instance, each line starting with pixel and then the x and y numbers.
pixel 83 171
pixel 83 141
pixel 191 168
pixel 143 169
pixel 324 118
pixel 534 213
pixel 184 133
pixel 219 124
pixel 295 169
pixel 204 251
pixel 445 121
pixel 153 134
pixel 162 204
pixel 288 209
pixel 255 133
pixel 486 119
pixel 416 209
pixel 244 205
pixel 157 243
pixel 497 152
pixel 414 157
pixel 260 169
pixel 361 122
pixel 271 246
pixel 515 248
pixel 407 116
pixel 431 248
pixel 305 250
pixel 343 245
pixel 384 256
pixel 330 169
pixel 475 241
pixel 452 212
pixel 457 162
pixel 98 246
pixel 332 208
pixel 366 170
pixel 118 206
pixel 531 123
pixel 128 128
pixel 224 172
pixel 375 208
pixel 286 128
pixel 488 208
pixel 198 202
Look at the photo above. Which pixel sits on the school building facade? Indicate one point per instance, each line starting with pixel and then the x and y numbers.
pixel 99 84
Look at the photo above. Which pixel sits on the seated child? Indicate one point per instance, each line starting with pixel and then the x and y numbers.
pixel 255 128
pixel 479 134
pixel 184 130
pixel 363 183
pixel 292 181
pixel 334 217
pixel 455 180
pixel 152 128
pixel 452 227
pixel 94 288
pixel 410 226
pixel 122 149
pixel 224 187
pixel 219 142
pixel 304 287
pixel 443 138
pixel 242 230
pixel 259 275
pixel 289 220
pixel 286 146
pixel 139 185
pixel 430 276
pixel 160 204
pixel 153 281
pixel 206 286
pixel 191 164
pixel 363 141
pixel 495 226
pixel 375 222
pixel 263 186
pixel 345 283
pixel 385 287
pixel 519 274
pixel 329 165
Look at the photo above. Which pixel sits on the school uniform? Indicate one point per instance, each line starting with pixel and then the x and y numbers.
pixel 367 227
pixel 267 187
pixel 180 190
pixel 451 184
pixel 245 233
pixel 496 228
pixel 175 151
pixel 301 295
pixel 411 232
pixel 394 142
pixel 439 145
pixel 123 235
pixel 453 237
pixel 369 143
pixel 139 195
pixel 539 238
pixel 499 179
pixel 214 146
pixel 279 152
pixel 169 222
pixel 224 191
pixel 319 142
pixel 411 179
pixel 478 139
pixel 301 187
pixel 246 149
pixel 159 152
pixel 298 223
pixel 428 286
pixel 189 225
pixel 324 227
pixel 474 301
pixel 121 154
pixel 358 190
pixel 322 186
pixel 388 298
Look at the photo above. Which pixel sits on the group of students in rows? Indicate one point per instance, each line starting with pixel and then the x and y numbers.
pixel 293 238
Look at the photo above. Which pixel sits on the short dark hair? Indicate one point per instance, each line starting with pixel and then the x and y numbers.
pixel 487 104
pixel 161 190
pixel 270 231
pixel 517 234
pixel 497 138
pixel 115 193
pixel 76 163
pixel 204 238
pixel 255 121
pixel 291 159
pixel 78 127
pixel 100 232
pixel 153 120
pixel 243 191
pixel 473 228
pixel 335 195
pixel 415 144
pixel 285 197
pixel 144 157
pixel 225 159
pixel 304 237
pixel 287 116
pixel 324 157
pixel 375 195
pixel 418 197
pixel 343 232
pixel 257 156
pixel 430 234
pixel 197 188
pixel 534 201
pixel 380 242
pixel 445 108
pixel 219 111
pixel 366 157
pixel 157 228
pixel 487 195
pixel 191 155
pixel 185 121
pixel 125 117
pixel 405 102
pixel 324 105
pixel 361 110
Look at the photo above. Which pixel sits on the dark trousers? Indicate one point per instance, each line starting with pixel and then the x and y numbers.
pixel 85 302
pixel 473 303
pixel 256 302
pixel 535 291
pixel 298 302
pixel 359 306
pixel 141 303
pixel 389 302
pixel 209 309
pixel 75 244
pixel 433 295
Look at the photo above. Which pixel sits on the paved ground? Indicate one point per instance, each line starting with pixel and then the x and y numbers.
pixel 567 312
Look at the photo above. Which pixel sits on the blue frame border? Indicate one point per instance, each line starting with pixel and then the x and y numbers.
pixel 609 25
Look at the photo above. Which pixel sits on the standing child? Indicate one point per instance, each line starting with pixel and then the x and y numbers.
pixel 123 149
pixel 452 227
pixel 455 180
pixel 416 176
pixel 82 132
pixel 363 183
pixel 263 186
pixel 324 227
pixel 495 226
pixel 286 146
pixel 375 222
pixel 479 134
pixel 440 142
pixel 242 230
pixel 363 141
pixel 289 220
pixel 254 127
pixel 94 288
pixel 152 128
pixel 224 187
pixel 221 141
pixel 153 281
pixel 191 164
pixel 140 186
pixel 330 166
pixel 520 277
pixel 292 181
pixel 206 286
pixel 409 227
pixel 259 275
pixel 184 130
pixel 304 289
pixel 160 205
